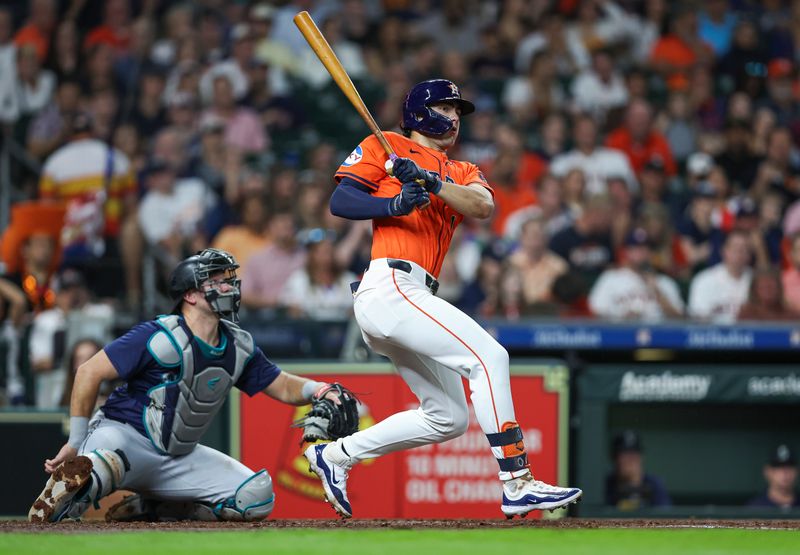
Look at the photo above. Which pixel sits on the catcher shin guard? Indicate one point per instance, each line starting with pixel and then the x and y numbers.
pixel 509 442
pixel 65 483
pixel 253 500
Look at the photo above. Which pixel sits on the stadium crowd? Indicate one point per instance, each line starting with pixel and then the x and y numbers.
pixel 642 153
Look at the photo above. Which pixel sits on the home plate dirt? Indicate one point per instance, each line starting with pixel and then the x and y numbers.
pixel 566 523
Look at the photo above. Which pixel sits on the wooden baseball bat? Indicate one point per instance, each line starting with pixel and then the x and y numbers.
pixel 328 58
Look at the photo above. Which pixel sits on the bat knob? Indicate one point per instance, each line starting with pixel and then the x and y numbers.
pixel 389 166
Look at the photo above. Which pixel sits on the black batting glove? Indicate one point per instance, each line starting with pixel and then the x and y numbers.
pixel 412 195
pixel 406 170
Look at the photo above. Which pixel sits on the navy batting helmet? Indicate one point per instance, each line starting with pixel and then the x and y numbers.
pixel 417 114
pixel 192 272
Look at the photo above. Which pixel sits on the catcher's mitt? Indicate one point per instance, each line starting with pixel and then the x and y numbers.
pixel 327 419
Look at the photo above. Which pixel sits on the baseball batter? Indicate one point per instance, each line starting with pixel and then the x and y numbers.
pixel 431 343
pixel 178 371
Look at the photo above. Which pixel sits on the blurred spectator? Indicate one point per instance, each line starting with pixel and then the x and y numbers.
pixel 149 115
pixel 596 162
pixel 35 85
pixel 243 129
pixel 781 93
pixel 763 124
pixel 780 169
pixel 492 60
pixel 653 183
pixel 537 93
pixel 744 66
pixel 270 268
pixel 679 128
pixel 13 312
pixel 538 267
pixel 481 296
pixel 550 36
pixel 574 185
pixel 667 257
pixel 171 210
pixel 645 31
pixel 321 289
pixel 600 89
pixel 267 49
pixel 549 207
pixel 513 174
pixel 586 244
pixel 738 160
pixel 675 54
pixel 115 30
pixel 95 182
pixel 250 236
pixel 8 61
pixel 716 25
pixel 629 487
pixel 766 300
pixel 634 290
pixel 350 55
pixel 622 206
pixel 454 27
pixel 791 276
pixel 780 473
pixel 700 238
pixel 73 315
pixel 66 56
pixel 31 250
pixel 52 127
pixel 717 293
pixel 38 27
pixel 553 137
pixel 82 350
pixel 639 141
pixel 600 23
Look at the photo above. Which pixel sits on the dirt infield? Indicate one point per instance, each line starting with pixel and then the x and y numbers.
pixel 361 524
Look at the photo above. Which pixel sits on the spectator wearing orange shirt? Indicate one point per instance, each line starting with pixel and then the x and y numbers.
pixel 115 30
pixel 639 141
pixel 675 54
pixel 513 175
pixel 39 26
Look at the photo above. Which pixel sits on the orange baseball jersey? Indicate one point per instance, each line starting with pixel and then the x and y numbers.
pixel 424 235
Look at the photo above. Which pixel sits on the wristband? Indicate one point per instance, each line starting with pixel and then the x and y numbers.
pixel 78 429
pixel 310 388
pixel 435 187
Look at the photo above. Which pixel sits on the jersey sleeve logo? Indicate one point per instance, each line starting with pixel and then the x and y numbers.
pixel 354 157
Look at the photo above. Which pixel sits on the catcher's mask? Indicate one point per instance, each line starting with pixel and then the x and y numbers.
pixel 206 271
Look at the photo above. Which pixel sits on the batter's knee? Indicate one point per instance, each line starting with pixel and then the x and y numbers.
pixel 450 423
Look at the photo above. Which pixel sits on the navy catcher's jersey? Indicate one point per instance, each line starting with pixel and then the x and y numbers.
pixel 140 370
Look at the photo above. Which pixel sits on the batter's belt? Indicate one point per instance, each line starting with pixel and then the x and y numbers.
pixel 404 266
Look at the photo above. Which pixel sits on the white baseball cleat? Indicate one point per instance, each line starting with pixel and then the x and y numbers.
pixel 64 484
pixel 525 494
pixel 333 477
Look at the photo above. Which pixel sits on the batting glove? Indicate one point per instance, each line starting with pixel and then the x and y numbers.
pixel 406 169
pixel 412 195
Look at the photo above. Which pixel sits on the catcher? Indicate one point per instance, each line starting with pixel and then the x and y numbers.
pixel 178 371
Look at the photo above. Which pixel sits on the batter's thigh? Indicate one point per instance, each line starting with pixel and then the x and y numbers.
pixel 205 475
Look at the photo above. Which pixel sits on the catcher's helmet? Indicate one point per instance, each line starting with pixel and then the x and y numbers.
pixel 193 271
pixel 417 114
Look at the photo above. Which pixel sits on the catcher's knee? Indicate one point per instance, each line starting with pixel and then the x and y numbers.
pixel 254 500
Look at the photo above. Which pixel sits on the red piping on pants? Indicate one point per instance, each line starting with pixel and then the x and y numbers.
pixel 485 371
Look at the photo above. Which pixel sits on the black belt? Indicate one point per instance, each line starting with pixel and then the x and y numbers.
pixel 405 266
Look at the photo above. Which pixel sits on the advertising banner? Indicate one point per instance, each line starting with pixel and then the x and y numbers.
pixel 456 479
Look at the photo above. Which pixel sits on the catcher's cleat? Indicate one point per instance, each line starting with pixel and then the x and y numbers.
pixel 524 494
pixel 333 477
pixel 63 486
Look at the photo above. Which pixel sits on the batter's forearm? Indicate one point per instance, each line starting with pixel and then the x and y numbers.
pixel 472 200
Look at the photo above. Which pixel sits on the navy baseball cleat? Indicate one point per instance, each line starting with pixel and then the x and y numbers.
pixel 524 494
pixel 333 476
pixel 70 479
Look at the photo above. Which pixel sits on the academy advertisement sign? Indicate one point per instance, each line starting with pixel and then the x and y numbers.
pixel 456 479
pixel 668 383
